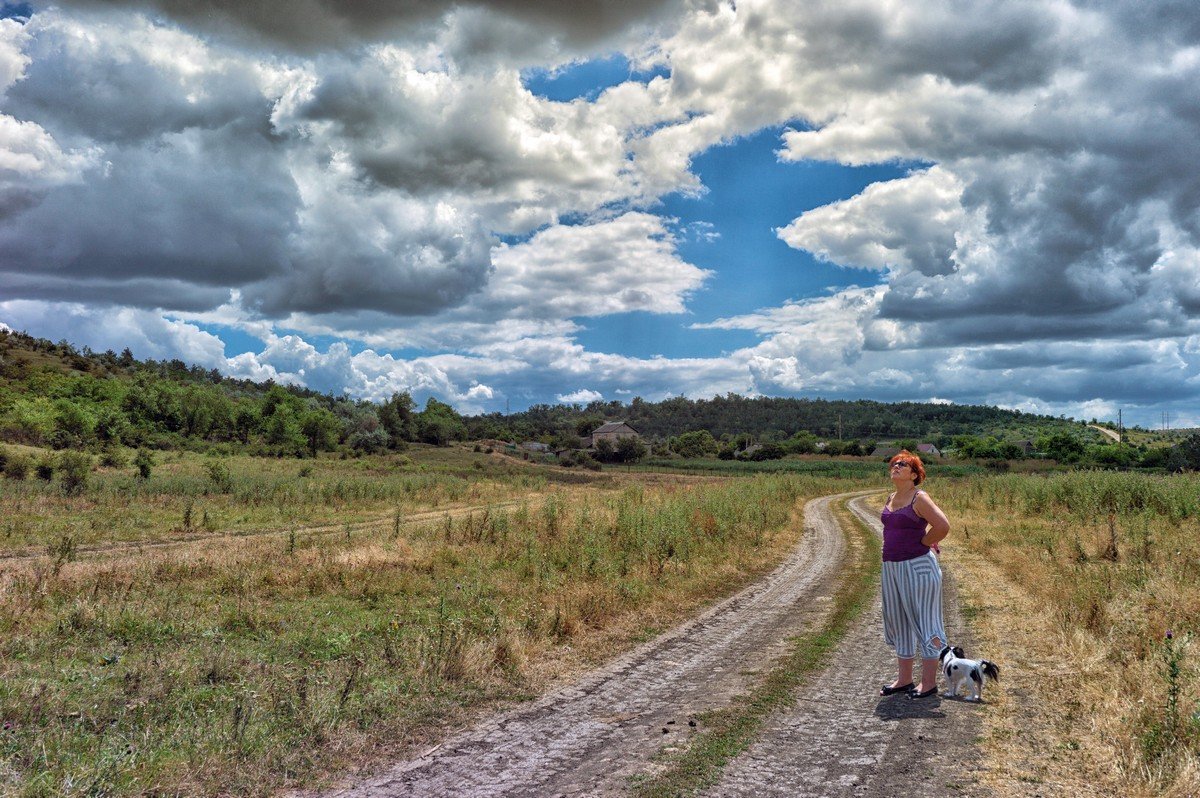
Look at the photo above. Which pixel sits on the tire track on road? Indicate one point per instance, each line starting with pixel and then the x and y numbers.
pixel 412 519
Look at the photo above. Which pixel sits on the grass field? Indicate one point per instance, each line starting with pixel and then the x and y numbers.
pixel 241 663
pixel 1074 581
pixel 191 493
pixel 313 616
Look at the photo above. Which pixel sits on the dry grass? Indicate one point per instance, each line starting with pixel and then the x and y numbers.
pixel 239 665
pixel 181 497
pixel 1085 707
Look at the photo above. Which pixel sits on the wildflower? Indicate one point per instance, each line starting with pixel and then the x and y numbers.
pixel 1170 635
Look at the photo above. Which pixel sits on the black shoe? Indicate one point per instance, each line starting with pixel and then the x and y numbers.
pixel 902 688
pixel 931 691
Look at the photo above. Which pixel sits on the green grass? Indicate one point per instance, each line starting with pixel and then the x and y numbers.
pixel 732 730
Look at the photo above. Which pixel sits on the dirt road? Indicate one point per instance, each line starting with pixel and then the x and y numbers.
pixel 1107 432
pixel 841 739
pixel 590 738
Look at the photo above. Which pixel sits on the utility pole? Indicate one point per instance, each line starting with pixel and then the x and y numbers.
pixel 1120 428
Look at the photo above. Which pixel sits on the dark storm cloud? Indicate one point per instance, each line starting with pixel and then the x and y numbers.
pixel 1105 357
pixel 177 294
pixel 310 25
pixel 178 178
pixel 212 208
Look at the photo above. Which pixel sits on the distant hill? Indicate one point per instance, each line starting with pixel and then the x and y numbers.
pixel 53 394
pixel 776 419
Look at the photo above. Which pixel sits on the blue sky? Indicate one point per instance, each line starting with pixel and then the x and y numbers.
pixel 508 203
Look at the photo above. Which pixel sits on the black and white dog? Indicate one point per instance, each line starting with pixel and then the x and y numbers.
pixel 957 669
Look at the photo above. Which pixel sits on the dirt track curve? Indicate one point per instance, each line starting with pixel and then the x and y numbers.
pixel 591 737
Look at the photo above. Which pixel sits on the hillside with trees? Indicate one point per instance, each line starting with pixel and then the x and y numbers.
pixel 774 420
pixel 53 395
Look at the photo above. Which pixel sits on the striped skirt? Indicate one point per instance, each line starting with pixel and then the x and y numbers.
pixel 912 607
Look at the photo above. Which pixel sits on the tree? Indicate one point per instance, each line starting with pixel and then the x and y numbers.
pixel 282 430
pixel 694 444
pixel 803 442
pixel 1061 446
pixel 396 415
pixel 320 429
pixel 587 425
pixel 630 450
pixel 364 431
pixel 604 451
pixel 439 423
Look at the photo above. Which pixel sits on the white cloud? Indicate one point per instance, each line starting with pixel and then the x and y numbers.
pixel 907 224
pixel 614 266
pixel 582 396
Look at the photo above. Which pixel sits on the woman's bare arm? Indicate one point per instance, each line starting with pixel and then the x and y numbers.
pixel 939 525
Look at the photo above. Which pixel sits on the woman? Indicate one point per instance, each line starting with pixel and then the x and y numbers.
pixel 912 581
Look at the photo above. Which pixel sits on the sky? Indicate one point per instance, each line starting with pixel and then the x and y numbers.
pixel 509 202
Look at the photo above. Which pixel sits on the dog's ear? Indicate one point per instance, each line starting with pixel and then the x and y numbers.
pixel 959 653
pixel 943 652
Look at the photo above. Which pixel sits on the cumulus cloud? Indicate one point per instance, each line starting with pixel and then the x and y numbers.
pixel 581 397
pixel 613 266
pixel 902 224
pixel 147 334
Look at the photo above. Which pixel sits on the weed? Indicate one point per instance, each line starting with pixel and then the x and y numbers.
pixel 219 477
pixel 62 551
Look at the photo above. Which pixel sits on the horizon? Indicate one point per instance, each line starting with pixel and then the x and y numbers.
pixel 510 204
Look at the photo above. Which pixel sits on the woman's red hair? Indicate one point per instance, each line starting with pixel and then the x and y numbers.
pixel 914 462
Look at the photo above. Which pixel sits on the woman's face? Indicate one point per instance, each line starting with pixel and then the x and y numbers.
pixel 901 473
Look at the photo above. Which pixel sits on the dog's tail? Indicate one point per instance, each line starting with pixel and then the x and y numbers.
pixel 990 669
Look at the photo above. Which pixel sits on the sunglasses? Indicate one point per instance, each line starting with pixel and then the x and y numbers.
pixel 900 465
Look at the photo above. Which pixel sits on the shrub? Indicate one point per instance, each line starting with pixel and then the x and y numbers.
pixel 74 468
pixel 44 470
pixel 112 457
pixel 143 462
pixel 16 466
pixel 218 476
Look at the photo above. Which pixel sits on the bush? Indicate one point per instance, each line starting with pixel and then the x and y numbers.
pixel 112 457
pixel 16 466
pixel 143 462
pixel 219 477
pixel 74 468
pixel 44 470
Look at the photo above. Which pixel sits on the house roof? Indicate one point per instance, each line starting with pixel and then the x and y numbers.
pixel 613 426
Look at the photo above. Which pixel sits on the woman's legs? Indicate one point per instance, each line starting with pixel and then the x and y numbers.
pixel 929 669
pixel 904 671
pixel 912 612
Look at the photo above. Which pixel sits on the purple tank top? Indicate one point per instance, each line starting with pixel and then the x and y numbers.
pixel 902 533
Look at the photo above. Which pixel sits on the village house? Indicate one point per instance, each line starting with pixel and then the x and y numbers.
pixel 887 451
pixel 613 432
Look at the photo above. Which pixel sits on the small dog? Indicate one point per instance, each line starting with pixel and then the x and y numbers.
pixel 957 670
